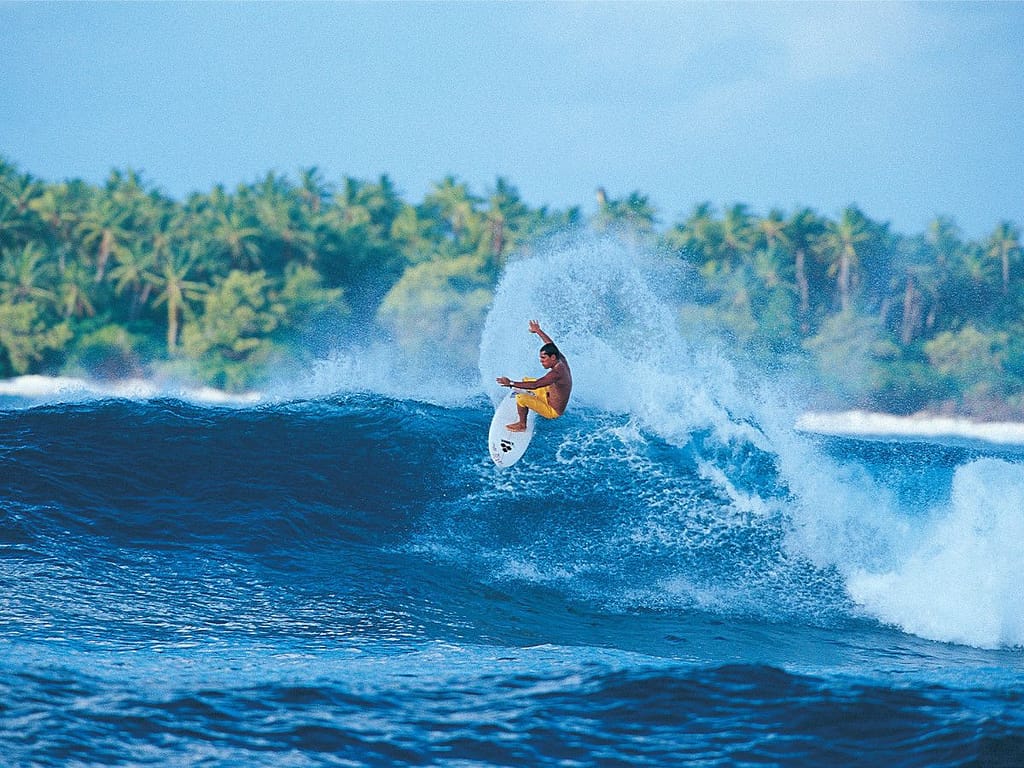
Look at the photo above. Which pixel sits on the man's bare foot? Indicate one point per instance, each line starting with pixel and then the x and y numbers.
pixel 517 427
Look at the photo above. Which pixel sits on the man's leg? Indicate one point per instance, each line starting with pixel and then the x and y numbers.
pixel 519 426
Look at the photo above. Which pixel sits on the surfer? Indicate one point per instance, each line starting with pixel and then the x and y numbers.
pixel 549 394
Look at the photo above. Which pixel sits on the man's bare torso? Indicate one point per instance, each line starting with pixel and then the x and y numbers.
pixel 560 385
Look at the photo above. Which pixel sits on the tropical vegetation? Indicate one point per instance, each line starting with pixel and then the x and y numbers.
pixel 120 280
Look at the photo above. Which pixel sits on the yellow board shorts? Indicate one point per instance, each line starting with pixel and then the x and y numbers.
pixel 537 400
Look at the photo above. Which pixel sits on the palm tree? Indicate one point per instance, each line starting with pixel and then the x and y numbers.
pixel 413 235
pixel 376 204
pixel 974 264
pixel 738 231
pixel 314 190
pixel 768 266
pixel 19 188
pixel 102 230
pixel 839 246
pixel 1002 245
pixel 909 271
pixel 454 207
pixel 507 221
pixel 772 229
pixel 945 239
pixel 633 218
pixel 17 192
pixel 177 290
pixel 133 273
pixel 802 230
pixel 75 288
pixel 29 326
pixel 285 225
pixel 59 207
pixel 699 236
pixel 236 237
pixel 23 273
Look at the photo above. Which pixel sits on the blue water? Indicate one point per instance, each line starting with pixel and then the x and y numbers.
pixel 671 576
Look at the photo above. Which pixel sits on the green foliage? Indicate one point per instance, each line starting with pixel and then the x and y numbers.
pixel 26 339
pixel 632 220
pixel 313 315
pixel 850 351
pixel 971 359
pixel 118 278
pixel 438 307
pixel 908 386
pixel 304 299
pixel 111 352
pixel 230 339
pixel 777 320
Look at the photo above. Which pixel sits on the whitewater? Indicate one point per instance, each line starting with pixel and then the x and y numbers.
pixel 685 569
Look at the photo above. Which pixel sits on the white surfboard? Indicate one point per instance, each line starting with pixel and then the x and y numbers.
pixel 508 447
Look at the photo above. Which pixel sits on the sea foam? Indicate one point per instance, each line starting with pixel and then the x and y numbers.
pixel 950 575
pixel 963 583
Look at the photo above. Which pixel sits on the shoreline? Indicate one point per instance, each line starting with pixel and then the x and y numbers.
pixel 869 424
pixel 33 386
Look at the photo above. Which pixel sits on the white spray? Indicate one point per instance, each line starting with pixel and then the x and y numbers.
pixel 948 574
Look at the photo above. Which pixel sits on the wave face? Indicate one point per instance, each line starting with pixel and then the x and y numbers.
pixel 670 575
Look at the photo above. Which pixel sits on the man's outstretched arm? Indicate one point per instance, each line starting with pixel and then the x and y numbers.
pixel 535 328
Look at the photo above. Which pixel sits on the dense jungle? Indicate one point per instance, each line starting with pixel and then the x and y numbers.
pixel 119 280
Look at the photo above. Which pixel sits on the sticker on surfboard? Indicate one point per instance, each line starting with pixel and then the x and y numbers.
pixel 507 447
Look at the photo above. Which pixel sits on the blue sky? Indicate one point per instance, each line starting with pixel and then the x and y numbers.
pixel 908 110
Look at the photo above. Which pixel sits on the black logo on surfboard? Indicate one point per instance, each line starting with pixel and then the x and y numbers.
pixel 506 446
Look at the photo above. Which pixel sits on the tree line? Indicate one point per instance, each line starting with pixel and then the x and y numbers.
pixel 120 280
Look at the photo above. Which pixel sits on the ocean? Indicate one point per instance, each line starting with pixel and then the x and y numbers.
pixel 334 573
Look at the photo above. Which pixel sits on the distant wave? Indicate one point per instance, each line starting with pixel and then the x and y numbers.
pixel 70 389
pixel 866 424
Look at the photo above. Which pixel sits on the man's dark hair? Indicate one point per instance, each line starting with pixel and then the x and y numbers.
pixel 551 350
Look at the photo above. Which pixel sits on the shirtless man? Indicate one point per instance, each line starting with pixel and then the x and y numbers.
pixel 549 394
